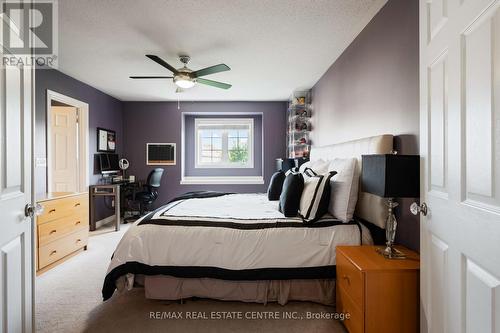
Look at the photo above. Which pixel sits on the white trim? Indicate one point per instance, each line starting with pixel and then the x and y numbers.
pixel 164 144
pixel 183 153
pixel 83 138
pixel 187 179
pixel 242 180
pixel 107 220
pixel 224 121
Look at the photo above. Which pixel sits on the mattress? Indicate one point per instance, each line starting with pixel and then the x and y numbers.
pixel 230 237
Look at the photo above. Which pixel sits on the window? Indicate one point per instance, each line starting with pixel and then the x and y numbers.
pixel 224 142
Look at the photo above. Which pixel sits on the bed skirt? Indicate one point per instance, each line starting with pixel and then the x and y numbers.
pixel 162 287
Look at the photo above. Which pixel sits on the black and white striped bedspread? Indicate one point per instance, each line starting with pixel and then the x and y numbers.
pixel 231 237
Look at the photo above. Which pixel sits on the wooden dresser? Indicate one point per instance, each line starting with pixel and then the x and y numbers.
pixel 380 295
pixel 62 229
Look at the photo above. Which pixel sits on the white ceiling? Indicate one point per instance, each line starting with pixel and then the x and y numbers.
pixel 272 46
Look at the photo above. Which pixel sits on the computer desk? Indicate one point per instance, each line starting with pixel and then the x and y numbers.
pixel 107 190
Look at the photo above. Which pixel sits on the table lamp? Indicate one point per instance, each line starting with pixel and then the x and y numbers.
pixel 391 176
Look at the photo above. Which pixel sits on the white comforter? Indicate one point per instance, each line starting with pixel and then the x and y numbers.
pixel 220 241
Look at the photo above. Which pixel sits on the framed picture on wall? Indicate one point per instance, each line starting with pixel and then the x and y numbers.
pixel 106 140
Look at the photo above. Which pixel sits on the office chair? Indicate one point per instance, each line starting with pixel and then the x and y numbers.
pixel 150 193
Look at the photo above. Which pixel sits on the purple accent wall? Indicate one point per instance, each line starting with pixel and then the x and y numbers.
pixel 190 153
pixel 161 122
pixel 372 89
pixel 104 111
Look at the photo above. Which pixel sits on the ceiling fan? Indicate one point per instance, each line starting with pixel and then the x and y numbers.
pixel 185 78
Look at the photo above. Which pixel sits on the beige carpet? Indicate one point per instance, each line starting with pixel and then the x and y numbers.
pixel 68 299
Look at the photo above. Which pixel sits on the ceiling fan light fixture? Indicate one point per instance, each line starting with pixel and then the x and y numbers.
pixel 183 81
pixel 184 84
pixel 185 78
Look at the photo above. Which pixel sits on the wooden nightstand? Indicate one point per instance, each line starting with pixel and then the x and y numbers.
pixel 381 295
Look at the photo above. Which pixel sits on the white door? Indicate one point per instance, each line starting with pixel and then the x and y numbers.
pixel 460 149
pixel 63 144
pixel 16 266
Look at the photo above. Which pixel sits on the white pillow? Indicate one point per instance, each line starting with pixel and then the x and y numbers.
pixel 343 188
pixel 319 166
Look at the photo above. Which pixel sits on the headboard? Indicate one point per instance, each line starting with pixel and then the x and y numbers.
pixel 369 207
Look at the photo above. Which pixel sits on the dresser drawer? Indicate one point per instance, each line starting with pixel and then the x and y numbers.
pixel 345 304
pixel 350 278
pixel 53 230
pixel 58 249
pixel 58 208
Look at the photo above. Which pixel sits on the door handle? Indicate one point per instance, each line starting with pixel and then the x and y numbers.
pixel 415 208
pixel 32 210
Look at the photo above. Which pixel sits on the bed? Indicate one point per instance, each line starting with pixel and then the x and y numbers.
pixel 240 247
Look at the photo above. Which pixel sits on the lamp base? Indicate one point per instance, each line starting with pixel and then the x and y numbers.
pixel 389 252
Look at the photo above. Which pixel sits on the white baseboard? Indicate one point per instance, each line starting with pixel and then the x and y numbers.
pixel 109 219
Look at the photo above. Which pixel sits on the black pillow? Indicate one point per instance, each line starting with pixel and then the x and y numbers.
pixel 290 195
pixel 275 186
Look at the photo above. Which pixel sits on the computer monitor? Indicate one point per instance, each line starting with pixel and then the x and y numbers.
pixel 109 163
pixel 113 162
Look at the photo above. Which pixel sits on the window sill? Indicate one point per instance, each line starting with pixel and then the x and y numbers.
pixel 236 180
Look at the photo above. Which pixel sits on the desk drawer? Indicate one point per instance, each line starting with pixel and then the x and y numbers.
pixel 350 278
pixel 53 230
pixel 58 208
pixel 355 323
pixel 60 248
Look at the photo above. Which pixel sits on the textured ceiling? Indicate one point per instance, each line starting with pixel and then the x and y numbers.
pixel 272 46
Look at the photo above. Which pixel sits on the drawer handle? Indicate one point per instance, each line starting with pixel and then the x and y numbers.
pixel 77 204
pixel 77 222
pixel 52 232
pixel 53 252
pixel 78 240
pixel 53 210
pixel 346 278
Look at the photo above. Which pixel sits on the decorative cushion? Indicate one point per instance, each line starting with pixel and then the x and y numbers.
pixel 275 186
pixel 304 166
pixel 343 188
pixel 308 173
pixel 319 166
pixel 315 196
pixel 291 193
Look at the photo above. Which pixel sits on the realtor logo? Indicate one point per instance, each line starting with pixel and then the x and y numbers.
pixel 29 33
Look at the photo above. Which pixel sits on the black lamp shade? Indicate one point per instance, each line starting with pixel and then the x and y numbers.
pixel 391 176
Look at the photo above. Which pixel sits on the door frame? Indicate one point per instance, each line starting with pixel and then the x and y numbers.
pixel 83 137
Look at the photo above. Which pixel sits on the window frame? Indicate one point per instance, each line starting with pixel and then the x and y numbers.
pixel 224 122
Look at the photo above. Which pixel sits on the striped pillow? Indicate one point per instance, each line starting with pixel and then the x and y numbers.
pixel 315 196
pixel 308 173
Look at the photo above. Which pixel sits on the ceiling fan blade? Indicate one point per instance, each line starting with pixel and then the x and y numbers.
pixel 162 62
pixel 216 84
pixel 211 70
pixel 151 77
